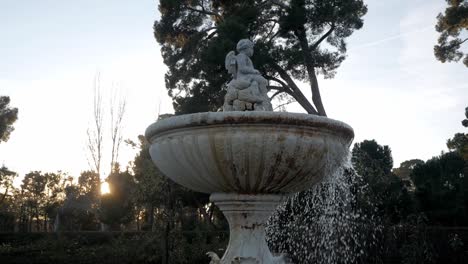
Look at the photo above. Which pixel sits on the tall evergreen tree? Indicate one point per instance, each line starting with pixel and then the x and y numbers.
pixel 294 41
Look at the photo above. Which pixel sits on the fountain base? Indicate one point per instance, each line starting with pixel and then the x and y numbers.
pixel 247 216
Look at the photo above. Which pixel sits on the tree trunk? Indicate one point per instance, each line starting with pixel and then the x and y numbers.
pixel 295 91
pixel 316 98
pixel 38 222
pixel 151 218
pixel 166 243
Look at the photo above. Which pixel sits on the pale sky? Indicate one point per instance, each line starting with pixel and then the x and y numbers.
pixel 390 88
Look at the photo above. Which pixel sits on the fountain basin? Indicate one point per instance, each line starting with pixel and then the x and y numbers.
pixel 248 152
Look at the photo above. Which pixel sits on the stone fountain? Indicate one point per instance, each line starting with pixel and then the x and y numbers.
pixel 248 157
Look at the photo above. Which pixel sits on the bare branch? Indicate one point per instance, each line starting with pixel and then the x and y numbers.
pixel 284 104
pixel 95 133
pixel 117 113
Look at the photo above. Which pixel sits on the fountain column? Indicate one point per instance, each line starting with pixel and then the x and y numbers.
pixel 247 216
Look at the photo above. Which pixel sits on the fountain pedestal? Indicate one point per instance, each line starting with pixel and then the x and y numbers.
pixel 247 215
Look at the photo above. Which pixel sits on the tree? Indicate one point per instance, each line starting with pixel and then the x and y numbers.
pixel 459 142
pixel 117 206
pixel 442 188
pixel 370 158
pixel 40 197
pixel 405 169
pixel 117 112
pixel 385 191
pixel 465 121
pixel 81 205
pixel 95 132
pixel 7 215
pixel 8 116
pixel 148 182
pixel 450 25
pixel 6 181
pixel 295 41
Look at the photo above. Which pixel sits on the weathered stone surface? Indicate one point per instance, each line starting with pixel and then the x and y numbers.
pixel 248 152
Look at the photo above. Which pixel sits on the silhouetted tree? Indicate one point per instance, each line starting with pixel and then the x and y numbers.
pixel 295 40
pixel 442 189
pixel 117 206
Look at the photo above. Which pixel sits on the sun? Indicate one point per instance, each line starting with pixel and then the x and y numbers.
pixel 105 188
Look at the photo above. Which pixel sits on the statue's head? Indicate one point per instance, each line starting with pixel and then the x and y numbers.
pixel 246 46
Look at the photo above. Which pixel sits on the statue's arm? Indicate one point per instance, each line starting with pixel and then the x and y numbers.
pixel 245 65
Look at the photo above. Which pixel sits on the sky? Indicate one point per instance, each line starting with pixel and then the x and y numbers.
pixel 390 88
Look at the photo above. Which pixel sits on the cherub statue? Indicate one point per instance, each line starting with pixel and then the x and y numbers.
pixel 247 90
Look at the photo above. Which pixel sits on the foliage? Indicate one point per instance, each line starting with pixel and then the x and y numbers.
pixel 450 25
pixel 406 167
pixel 442 188
pixel 465 121
pixel 386 193
pixel 294 40
pixel 8 116
pixel 459 144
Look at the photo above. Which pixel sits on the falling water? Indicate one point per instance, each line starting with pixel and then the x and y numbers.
pixel 326 224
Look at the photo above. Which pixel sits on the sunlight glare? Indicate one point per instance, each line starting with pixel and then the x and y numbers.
pixel 105 188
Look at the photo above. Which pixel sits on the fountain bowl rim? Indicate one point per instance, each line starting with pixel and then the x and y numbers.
pixel 247 118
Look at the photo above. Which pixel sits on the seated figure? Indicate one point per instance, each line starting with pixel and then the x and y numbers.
pixel 247 91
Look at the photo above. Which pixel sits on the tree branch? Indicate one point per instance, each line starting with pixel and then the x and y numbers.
pixel 204 11
pixel 277 80
pixel 275 94
pixel 317 43
pixel 308 62
pixel 281 105
pixel 273 87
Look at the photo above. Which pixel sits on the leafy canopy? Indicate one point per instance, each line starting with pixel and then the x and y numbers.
pixel 452 25
pixel 294 40
pixel 442 188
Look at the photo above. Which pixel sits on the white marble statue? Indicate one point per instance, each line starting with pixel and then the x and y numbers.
pixel 247 90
